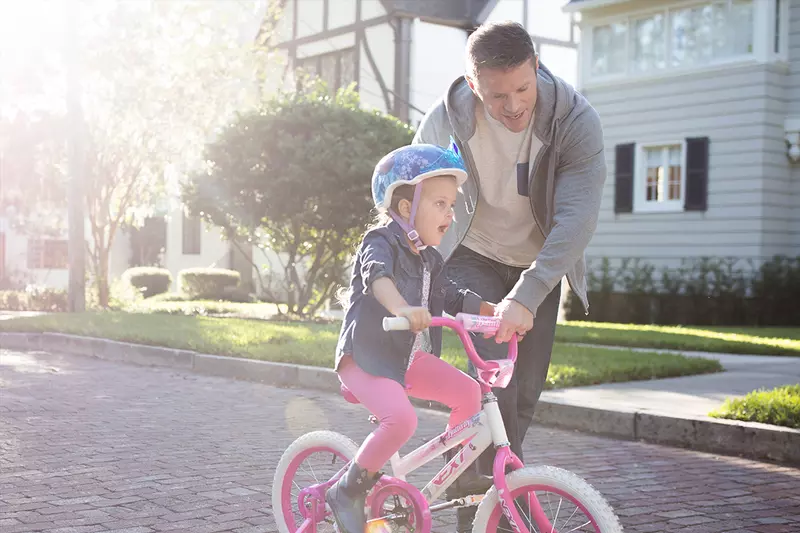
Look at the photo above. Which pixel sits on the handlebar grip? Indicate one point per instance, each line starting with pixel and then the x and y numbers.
pixel 397 323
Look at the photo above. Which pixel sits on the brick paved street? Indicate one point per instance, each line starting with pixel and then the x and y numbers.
pixel 88 445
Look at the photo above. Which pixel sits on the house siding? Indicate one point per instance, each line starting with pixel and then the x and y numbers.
pixel 793 93
pixel 431 78
pixel 741 110
pixel 381 42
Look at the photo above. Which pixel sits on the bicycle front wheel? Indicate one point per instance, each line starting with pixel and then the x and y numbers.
pixel 569 503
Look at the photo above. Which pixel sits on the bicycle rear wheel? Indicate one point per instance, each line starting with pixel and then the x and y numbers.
pixel 569 503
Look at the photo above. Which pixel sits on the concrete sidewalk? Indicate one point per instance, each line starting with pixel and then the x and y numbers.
pixel 690 396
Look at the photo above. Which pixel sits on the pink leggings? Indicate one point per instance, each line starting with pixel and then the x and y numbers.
pixel 428 378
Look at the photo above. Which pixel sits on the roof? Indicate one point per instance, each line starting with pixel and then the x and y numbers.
pixel 582 5
pixel 461 13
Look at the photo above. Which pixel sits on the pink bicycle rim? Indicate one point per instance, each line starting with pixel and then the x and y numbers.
pixel 286 495
pixel 494 520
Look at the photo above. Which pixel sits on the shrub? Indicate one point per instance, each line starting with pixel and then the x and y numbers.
pixel 34 298
pixel 779 406
pixel 148 280
pixel 702 291
pixel 207 283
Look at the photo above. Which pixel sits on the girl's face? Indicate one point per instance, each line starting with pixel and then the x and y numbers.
pixel 435 209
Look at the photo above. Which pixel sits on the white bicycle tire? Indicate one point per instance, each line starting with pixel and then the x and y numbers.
pixel 314 439
pixel 557 478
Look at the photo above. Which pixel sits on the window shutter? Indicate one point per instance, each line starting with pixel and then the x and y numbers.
pixel 623 178
pixel 696 174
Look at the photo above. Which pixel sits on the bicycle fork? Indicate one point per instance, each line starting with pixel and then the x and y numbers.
pixel 504 457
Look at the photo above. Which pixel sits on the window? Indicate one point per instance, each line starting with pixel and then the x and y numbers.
pixel 337 69
pixel 48 253
pixel 674 38
pixel 609 49
pixel 660 179
pixel 192 233
pixel 647 43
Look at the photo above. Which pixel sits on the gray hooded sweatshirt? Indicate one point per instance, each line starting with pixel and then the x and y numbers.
pixel 565 180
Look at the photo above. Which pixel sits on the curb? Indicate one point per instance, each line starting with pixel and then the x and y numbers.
pixel 727 437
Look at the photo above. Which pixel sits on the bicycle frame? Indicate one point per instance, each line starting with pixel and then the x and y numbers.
pixel 477 433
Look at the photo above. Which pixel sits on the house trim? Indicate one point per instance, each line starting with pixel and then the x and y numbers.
pixel 341 30
pixel 720 66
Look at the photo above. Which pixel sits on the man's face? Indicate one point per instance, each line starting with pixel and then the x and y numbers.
pixel 508 95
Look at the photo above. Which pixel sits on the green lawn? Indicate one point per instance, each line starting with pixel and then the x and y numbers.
pixel 314 344
pixel 204 307
pixel 779 406
pixel 740 340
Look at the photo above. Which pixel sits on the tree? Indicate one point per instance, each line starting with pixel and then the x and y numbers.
pixel 33 166
pixel 157 79
pixel 294 176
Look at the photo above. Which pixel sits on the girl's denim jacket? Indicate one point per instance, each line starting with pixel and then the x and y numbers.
pixel 386 252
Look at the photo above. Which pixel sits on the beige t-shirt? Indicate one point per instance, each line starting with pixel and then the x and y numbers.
pixel 503 227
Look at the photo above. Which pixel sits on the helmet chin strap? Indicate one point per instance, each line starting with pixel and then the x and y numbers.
pixel 412 234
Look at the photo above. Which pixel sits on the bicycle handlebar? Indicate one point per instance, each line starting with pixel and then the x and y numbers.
pixel 462 325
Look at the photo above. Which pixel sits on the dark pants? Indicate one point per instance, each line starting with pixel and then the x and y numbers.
pixel 493 281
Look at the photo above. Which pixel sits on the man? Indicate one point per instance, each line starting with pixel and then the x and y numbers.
pixel 534 152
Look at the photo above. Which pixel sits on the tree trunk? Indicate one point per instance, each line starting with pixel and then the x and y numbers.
pixel 102 276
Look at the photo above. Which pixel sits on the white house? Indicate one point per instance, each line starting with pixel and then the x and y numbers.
pixel 700 106
pixel 403 54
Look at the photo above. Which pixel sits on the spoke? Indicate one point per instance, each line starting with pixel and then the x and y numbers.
pixel 579 527
pixel 313 473
pixel 527 518
pixel 570 516
pixel 558 510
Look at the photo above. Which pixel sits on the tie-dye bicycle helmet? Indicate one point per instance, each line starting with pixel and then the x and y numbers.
pixel 409 165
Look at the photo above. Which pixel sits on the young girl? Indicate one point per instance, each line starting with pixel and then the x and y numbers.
pixel 397 272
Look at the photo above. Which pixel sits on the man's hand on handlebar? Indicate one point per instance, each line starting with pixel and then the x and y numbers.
pixel 515 318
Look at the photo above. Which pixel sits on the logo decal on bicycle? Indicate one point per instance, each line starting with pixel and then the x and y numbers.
pixel 451 468
pixel 507 512
pixel 446 436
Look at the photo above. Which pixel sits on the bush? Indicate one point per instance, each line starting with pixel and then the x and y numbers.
pixel 702 291
pixel 779 406
pixel 34 298
pixel 208 283
pixel 148 280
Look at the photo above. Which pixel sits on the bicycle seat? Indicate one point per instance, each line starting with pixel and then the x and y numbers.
pixel 497 373
pixel 349 396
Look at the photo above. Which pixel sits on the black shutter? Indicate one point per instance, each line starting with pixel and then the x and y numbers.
pixel 696 174
pixel 623 178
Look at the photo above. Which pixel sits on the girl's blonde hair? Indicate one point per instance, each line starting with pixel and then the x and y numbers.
pixel 382 218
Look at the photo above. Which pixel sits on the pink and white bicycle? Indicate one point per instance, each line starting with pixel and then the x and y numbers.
pixel 532 499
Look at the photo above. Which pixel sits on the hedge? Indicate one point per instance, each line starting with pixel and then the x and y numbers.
pixel 208 283
pixel 150 281
pixel 703 291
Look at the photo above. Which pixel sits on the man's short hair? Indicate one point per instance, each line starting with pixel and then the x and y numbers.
pixel 498 45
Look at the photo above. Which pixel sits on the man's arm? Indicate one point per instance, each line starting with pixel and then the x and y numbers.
pixel 579 182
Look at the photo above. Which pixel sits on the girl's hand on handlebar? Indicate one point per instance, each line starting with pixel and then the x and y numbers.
pixel 418 317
